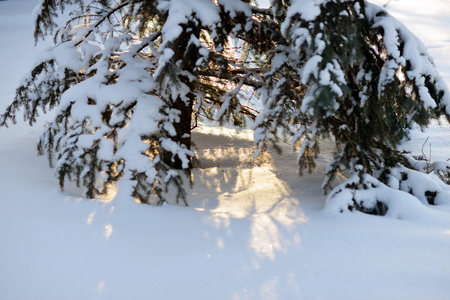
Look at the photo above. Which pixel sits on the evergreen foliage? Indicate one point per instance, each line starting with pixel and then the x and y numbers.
pixel 129 80
pixel 360 77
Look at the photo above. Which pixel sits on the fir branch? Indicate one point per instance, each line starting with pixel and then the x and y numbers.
pixel 102 19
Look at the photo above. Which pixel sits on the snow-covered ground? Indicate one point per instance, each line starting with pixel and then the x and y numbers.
pixel 249 233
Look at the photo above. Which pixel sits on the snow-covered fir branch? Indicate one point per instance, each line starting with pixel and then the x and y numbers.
pixel 129 80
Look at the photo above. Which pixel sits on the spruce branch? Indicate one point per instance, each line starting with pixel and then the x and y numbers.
pixel 102 19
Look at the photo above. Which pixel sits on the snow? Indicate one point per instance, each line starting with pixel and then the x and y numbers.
pixel 251 231
pixel 235 6
pixel 180 11
pixel 310 68
pixel 308 10
pixel 414 52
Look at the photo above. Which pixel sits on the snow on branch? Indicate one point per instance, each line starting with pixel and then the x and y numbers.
pixel 129 80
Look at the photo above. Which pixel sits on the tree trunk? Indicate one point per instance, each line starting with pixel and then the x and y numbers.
pixel 183 130
pixel 188 55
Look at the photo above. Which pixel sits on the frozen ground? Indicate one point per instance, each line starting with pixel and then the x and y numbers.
pixel 249 233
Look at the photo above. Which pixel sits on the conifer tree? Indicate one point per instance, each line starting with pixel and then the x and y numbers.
pixel 129 80
pixel 350 70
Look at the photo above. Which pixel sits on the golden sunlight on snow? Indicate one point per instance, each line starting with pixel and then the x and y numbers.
pixel 107 232
pixel 90 218
pixel 239 188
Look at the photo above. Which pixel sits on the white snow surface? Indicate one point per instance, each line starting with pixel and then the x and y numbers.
pixel 250 232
